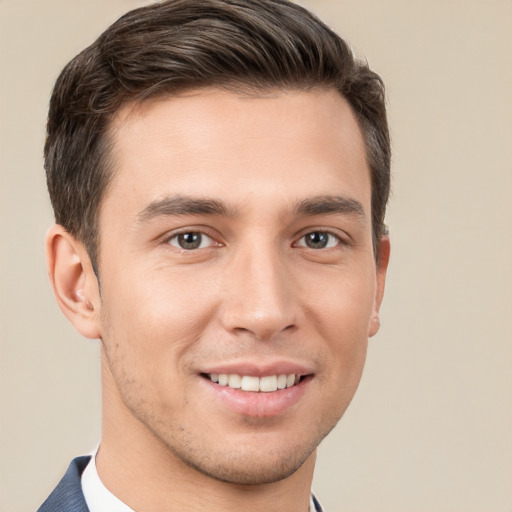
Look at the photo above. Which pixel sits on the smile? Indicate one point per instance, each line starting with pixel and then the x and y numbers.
pixel 265 384
pixel 258 391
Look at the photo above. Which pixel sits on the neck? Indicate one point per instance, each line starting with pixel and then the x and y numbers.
pixel 140 470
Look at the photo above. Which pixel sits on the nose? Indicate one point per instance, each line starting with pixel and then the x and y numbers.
pixel 259 294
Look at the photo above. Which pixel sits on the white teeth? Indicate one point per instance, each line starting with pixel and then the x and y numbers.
pixel 235 381
pixel 266 384
pixel 250 383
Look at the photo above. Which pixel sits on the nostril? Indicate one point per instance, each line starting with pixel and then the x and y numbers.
pixel 241 329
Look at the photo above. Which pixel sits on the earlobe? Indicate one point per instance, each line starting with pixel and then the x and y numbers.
pixel 382 267
pixel 73 281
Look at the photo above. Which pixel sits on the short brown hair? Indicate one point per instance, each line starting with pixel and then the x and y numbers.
pixel 176 45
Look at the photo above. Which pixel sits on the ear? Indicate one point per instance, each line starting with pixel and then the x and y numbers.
pixel 73 281
pixel 382 267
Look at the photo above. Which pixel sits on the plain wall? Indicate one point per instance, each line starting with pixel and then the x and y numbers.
pixel 430 428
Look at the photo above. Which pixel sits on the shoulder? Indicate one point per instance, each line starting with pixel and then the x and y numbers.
pixel 68 495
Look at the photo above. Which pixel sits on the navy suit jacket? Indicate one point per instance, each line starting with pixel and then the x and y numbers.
pixel 68 495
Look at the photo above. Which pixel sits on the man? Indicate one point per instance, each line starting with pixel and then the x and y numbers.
pixel 219 172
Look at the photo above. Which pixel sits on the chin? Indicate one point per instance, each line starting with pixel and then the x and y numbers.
pixel 256 459
pixel 252 468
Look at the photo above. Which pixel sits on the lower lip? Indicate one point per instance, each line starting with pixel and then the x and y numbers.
pixel 259 405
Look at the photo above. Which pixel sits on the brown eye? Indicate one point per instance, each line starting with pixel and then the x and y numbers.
pixel 190 241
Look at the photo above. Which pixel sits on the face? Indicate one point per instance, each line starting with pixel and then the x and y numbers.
pixel 238 281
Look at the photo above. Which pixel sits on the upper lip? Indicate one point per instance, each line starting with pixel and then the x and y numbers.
pixel 259 369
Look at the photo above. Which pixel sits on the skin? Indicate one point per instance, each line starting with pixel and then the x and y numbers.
pixel 253 292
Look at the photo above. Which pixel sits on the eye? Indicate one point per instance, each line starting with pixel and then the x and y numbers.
pixel 190 240
pixel 318 240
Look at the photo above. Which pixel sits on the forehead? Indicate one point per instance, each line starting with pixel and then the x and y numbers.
pixel 280 145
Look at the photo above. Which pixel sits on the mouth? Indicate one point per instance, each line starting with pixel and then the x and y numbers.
pixel 253 384
pixel 258 390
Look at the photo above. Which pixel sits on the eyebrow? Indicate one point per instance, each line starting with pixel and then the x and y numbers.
pixel 326 205
pixel 182 205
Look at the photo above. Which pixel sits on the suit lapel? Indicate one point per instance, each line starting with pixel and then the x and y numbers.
pixel 68 495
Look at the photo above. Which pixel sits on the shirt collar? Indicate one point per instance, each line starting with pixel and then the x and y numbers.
pixel 97 496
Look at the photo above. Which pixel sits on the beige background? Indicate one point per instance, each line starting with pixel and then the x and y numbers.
pixel 431 426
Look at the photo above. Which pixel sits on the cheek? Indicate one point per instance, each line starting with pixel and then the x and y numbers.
pixel 342 315
pixel 153 300
pixel 148 327
pixel 152 322
pixel 345 302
